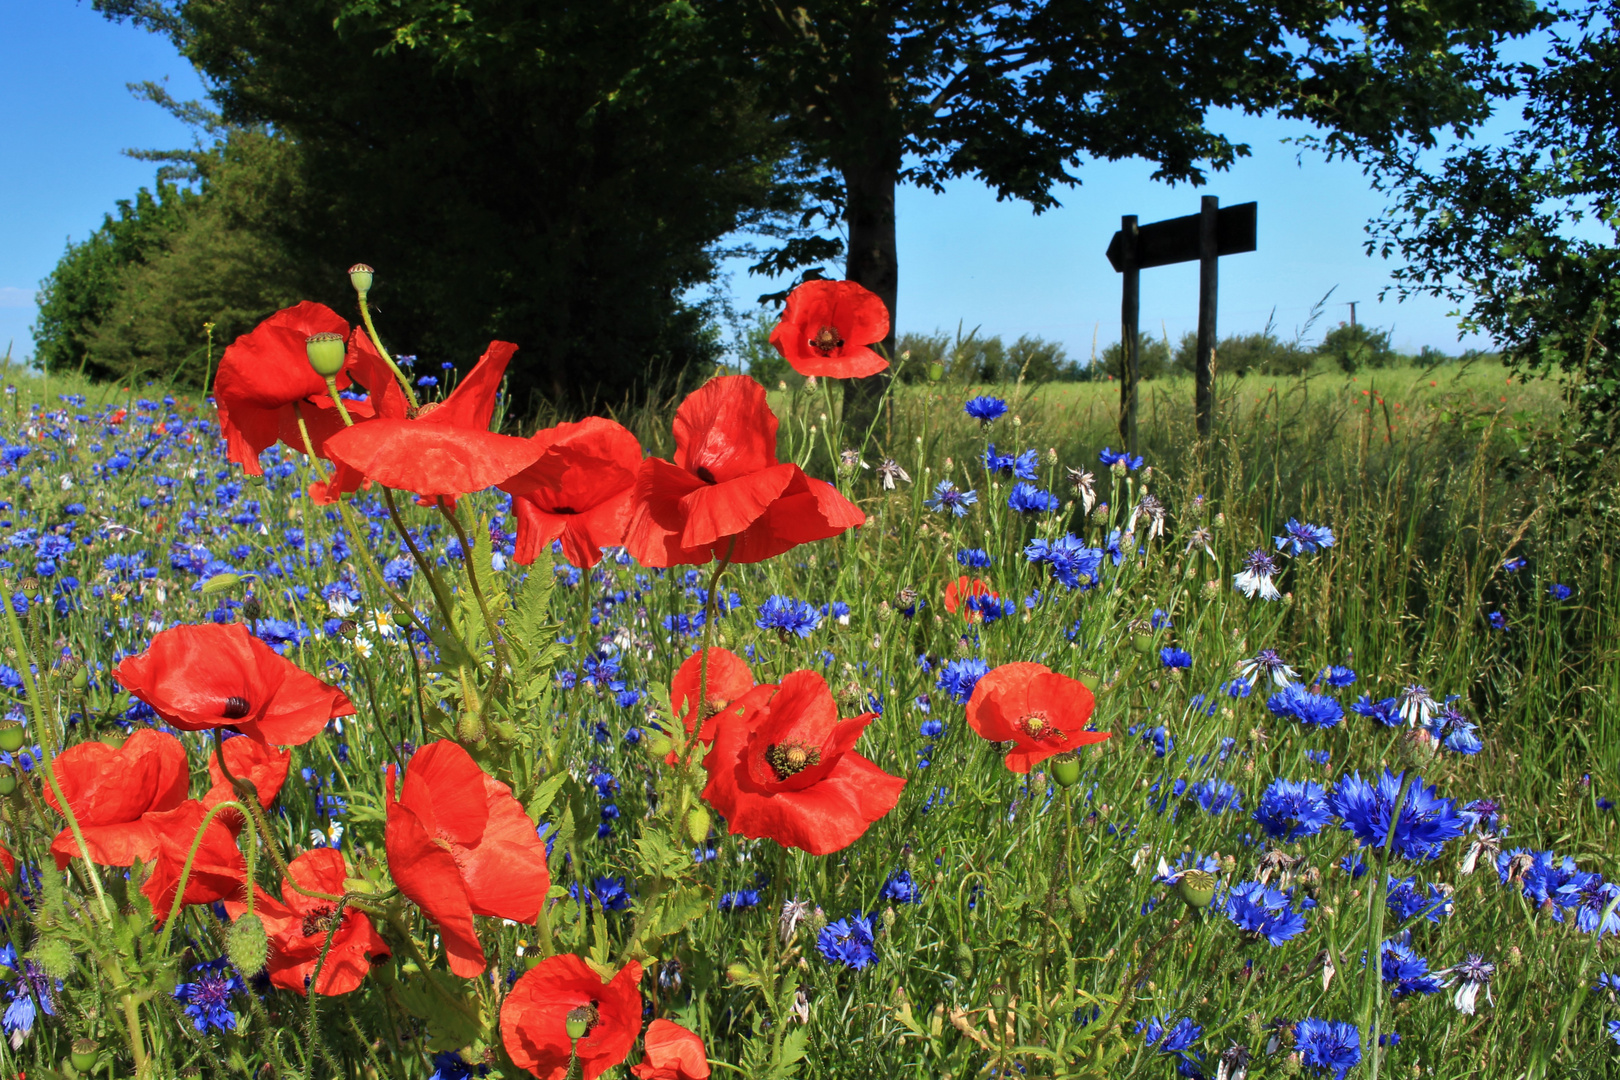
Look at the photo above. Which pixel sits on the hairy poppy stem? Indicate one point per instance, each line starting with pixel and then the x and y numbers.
pixel 437 588
pixel 337 399
pixel 502 659
pixel 710 612
pixel 371 332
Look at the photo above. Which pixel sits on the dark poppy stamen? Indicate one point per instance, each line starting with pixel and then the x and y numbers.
pixel 1037 726
pixel 791 759
pixel 702 473
pixel 319 921
pixel 237 707
pixel 826 340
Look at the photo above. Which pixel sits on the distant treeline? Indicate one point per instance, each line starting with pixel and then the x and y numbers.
pixel 970 357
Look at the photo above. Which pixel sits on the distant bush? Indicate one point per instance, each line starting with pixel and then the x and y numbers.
pixel 969 358
pixel 1356 346
pixel 1260 353
pixel 1152 359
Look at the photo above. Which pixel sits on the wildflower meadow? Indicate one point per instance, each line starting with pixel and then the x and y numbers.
pixel 354 730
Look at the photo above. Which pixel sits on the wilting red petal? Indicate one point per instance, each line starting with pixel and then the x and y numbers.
pixel 671 1053
pixel 534 1017
pixel 821 313
pixel 111 789
pixel 218 871
pixel 725 429
pixel 265 370
pixel 430 459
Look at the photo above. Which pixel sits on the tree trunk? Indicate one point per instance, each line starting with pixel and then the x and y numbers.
pixel 872 261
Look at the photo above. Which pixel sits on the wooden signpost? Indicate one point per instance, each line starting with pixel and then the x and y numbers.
pixel 1205 236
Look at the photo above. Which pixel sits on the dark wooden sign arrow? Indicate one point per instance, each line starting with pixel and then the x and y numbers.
pixel 1205 236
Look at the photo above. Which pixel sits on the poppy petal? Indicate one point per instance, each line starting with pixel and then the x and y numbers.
pixel 427 874
pixel 725 429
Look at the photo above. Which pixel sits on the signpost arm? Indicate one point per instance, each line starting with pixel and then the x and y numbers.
pixel 1130 337
pixel 1207 281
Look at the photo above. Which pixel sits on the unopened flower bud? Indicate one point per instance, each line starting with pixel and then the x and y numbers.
pixel 247 946
pixel 469 727
pixel 658 744
pixel 81 678
pixel 54 956
pixel 698 823
pixel 252 609
pixel 360 276
pixel 325 353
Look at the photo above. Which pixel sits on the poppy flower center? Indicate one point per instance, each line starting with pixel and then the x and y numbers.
pixel 588 1015
pixel 826 340
pixel 711 707
pixel 702 473
pixel 320 921
pixel 237 707
pixel 791 759
pixel 422 410
pixel 1038 727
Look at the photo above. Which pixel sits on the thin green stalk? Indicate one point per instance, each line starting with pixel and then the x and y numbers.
pixel 371 332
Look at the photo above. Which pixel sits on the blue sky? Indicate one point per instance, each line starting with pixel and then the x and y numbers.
pixel 963 256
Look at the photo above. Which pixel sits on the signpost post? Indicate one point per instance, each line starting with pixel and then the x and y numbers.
pixel 1205 236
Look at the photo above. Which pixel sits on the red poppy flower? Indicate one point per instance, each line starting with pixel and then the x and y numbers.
pixel 725 490
pixel 212 676
pixel 787 769
pixel 8 865
pixel 446 449
pixel 671 1053
pixel 248 759
pixel 1031 705
pixel 263 372
pixel 826 327
pixel 299 925
pixel 218 871
pixel 534 1017
pixel 958 592
pixel 112 789
pixel 460 845
pixel 580 490
pixel 729 679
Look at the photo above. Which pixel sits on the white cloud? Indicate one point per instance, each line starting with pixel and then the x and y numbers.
pixel 13 297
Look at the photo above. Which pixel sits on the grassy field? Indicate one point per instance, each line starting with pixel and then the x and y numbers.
pixel 1016 927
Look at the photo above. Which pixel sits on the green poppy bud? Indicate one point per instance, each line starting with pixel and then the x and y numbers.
pixel 657 744
pixel 698 823
pixel 325 353
pixel 8 780
pixel 81 678
pixel 1066 769
pixel 55 957
pixel 1197 888
pixel 221 582
pixel 11 736
pixel 360 276
pixel 83 1055
pixel 247 946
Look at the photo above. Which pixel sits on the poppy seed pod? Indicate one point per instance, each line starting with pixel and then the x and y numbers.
pixel 11 736
pixel 1196 888
pixel 578 1021
pixel 1066 770
pixel 326 353
pixel 83 1055
pixel 8 780
pixel 360 276
pixel 1091 680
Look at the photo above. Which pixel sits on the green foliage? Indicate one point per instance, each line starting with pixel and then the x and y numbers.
pixel 1152 359
pixel 1261 353
pixel 970 358
pixel 1354 347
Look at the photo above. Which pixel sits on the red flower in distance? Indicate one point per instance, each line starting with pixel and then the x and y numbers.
pixel 580 490
pixel 534 1017
pixel 212 676
pixel 958 592
pixel 299 925
pixel 671 1053
pixel 826 329
pixel 729 679
pixel 8 865
pixel 1031 705
pixel 460 845
pixel 218 871
pixel 786 769
pixel 111 790
pixel 725 491
pixel 446 450
pixel 263 372
pixel 248 759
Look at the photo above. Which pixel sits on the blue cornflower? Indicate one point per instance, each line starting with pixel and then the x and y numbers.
pixel 1339 677
pixel 1454 731
pixel 998 463
pixel 32 984
pixel 1161 620
pixel 450 1065
pixel 1177 1041
pixel 1318 757
pixel 1073 564
pixel 985 409
pixel 1497 620
pixel 1259 570
pixel 788 617
pixel 740 900
pixel 948 497
pixel 1614 1031
pixel 208 995
pixel 1590 899
pixel 1427 820
pixel 958 677
pixel 1303 539
pixel 1217 796
pixel 1293 809
pixel 610 892
pixel 1607 983
pixel 1263 912
pixel 1026 465
pixel 1405 971
pixel 428 380
pixel 1513 565
pixel 1029 499
pixel 1172 657
pixel 1559 592
pixel 1108 457
pixel 973 558
pixel 1407 898
pixel 1386 712
pixel 900 889
pixel 1312 710
pixel 1328 1045
pixel 1116 548
pixel 849 942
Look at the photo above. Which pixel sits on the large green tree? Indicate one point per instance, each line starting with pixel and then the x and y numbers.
pixel 562 185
